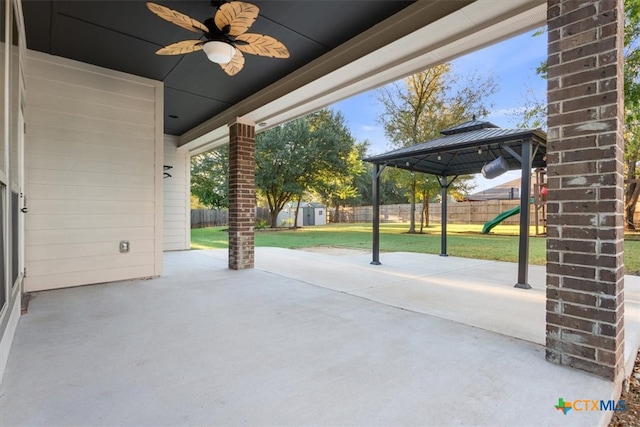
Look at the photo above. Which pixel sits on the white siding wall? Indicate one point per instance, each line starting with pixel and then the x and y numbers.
pixel 177 214
pixel 11 168
pixel 93 174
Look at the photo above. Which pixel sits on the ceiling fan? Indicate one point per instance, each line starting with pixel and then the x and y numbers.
pixel 225 34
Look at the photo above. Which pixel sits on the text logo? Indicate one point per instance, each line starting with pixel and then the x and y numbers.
pixel 582 405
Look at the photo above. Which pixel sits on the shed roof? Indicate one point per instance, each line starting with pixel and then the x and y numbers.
pixel 312 205
pixel 465 148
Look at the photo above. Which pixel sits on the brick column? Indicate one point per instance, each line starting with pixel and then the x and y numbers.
pixel 242 199
pixel 585 327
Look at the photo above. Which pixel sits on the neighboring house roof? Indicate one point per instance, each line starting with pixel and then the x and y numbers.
pixel 464 149
pixel 506 191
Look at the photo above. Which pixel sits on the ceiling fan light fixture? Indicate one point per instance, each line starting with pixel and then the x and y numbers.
pixel 219 52
pixel 228 26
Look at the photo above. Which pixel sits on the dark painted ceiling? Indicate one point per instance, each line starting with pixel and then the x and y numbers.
pixel 124 35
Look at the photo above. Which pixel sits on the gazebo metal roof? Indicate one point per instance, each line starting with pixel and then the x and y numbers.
pixel 465 148
pixel 461 150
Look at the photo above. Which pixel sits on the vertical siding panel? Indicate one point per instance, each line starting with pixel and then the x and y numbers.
pixel 94 175
pixel 176 192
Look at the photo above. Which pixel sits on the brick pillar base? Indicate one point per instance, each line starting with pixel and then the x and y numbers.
pixel 585 327
pixel 241 194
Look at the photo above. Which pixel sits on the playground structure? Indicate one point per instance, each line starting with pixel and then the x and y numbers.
pixel 539 200
pixel 489 225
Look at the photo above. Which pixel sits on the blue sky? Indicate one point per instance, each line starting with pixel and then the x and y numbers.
pixel 512 62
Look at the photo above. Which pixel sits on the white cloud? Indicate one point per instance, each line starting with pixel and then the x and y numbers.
pixel 507 112
pixel 368 128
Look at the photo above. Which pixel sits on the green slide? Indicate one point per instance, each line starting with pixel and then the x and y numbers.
pixel 504 215
pixel 497 220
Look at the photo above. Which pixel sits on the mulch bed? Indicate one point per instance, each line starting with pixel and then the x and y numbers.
pixel 631 397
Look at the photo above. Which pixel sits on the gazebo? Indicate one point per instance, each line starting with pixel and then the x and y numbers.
pixel 467 149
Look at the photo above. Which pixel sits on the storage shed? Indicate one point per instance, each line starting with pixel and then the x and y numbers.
pixel 313 213
pixel 309 213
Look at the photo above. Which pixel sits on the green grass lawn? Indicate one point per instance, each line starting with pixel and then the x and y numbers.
pixel 463 241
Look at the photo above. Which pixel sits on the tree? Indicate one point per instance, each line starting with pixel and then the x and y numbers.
pixel 425 103
pixel 281 159
pixel 534 114
pixel 391 192
pixel 334 181
pixel 308 153
pixel 210 177
pixel 336 188
pixel 427 187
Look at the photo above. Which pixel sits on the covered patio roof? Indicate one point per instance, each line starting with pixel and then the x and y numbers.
pixel 338 49
pixel 465 148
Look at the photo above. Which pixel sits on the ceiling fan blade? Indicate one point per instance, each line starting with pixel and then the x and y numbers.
pixel 180 48
pixel 258 44
pixel 237 16
pixel 177 18
pixel 234 66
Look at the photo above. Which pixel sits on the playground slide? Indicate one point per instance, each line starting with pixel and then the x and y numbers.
pixel 504 215
pixel 497 220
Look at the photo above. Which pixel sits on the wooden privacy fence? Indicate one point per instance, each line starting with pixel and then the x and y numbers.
pixel 458 213
pixel 219 217
pixel 209 218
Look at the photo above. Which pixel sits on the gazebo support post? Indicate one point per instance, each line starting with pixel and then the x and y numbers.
pixel 525 193
pixel 444 185
pixel 375 195
pixel 443 207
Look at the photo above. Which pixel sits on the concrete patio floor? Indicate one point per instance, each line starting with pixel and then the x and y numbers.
pixel 303 339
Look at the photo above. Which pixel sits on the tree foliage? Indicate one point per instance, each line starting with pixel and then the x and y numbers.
pixel 391 192
pixel 533 115
pixel 277 175
pixel 419 107
pixel 314 152
pixel 210 178
pixel 337 189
